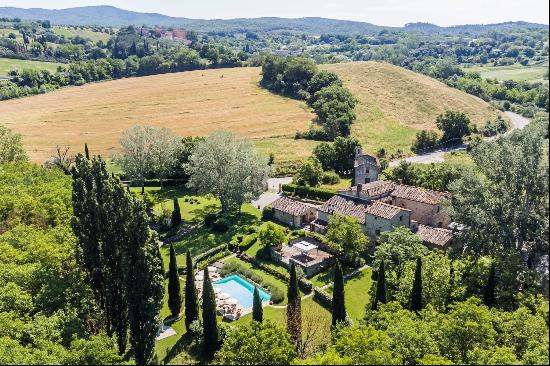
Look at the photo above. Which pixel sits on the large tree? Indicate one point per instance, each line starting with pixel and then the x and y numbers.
pixel 229 168
pixel 191 297
pixel 416 292
pixel 455 125
pixel 503 205
pixel 294 308
pixel 309 173
pixel 120 255
pixel 346 232
pixel 174 290
pixel 211 341
pixel 147 150
pixel 380 293
pixel 11 147
pixel 257 310
pixel 338 296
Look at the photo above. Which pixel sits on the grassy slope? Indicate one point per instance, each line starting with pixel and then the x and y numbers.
pixel 86 33
pixel 393 104
pixel 8 64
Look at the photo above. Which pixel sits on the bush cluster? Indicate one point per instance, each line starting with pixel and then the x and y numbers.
pixel 321 194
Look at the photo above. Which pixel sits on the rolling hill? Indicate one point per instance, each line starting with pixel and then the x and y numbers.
pixel 112 16
pixel 393 103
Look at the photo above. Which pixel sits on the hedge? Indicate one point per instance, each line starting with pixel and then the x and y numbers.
pixel 322 194
pixel 322 298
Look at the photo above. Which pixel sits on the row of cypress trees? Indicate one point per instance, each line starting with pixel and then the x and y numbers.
pixel 119 255
pixel 415 302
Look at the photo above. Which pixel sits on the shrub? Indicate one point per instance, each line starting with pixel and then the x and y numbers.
pixel 248 241
pixel 330 177
pixel 209 253
pixel 220 225
pixel 308 192
pixel 323 298
pixel 267 213
pixel 425 140
pixel 210 218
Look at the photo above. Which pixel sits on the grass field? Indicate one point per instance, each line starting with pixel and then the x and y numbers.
pixel 514 72
pixel 393 103
pixel 86 33
pixel 8 64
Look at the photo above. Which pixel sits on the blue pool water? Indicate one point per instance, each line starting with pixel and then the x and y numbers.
pixel 240 289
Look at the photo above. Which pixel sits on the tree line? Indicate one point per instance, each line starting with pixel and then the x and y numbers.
pixel 298 77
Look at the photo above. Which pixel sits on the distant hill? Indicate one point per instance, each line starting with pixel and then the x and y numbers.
pixel 393 104
pixel 112 16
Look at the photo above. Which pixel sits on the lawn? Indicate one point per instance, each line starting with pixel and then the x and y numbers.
pixel 9 64
pixel 344 183
pixel 514 72
pixel 357 293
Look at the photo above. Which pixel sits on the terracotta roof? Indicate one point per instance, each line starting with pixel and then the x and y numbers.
pixel 341 205
pixel 383 210
pixel 377 188
pixel 290 206
pixel 418 194
pixel 433 235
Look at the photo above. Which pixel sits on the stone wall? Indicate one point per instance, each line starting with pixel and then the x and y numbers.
pixel 431 215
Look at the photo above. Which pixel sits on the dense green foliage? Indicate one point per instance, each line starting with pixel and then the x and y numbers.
pixel 11 147
pixel 297 77
pixel 380 294
pixel 309 173
pixel 433 176
pixel 272 234
pixel 416 292
pixel 46 306
pixel 257 344
pixel 339 155
pixel 119 254
pixel 176 214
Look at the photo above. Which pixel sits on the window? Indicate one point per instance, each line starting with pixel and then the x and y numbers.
pixel 367 180
pixel 438 208
pixel 377 231
pixel 367 170
pixel 401 218
pixel 439 224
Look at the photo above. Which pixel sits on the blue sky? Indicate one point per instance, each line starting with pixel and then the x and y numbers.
pixel 381 12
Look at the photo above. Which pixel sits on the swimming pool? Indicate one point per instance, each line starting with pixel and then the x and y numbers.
pixel 240 289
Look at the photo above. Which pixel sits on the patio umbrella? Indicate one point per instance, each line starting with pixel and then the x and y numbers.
pixel 224 296
pixel 199 276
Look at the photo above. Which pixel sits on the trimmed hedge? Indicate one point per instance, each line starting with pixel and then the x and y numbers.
pixel 321 194
pixel 209 253
pixel 323 298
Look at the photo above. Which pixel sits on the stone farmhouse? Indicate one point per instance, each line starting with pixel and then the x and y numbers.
pixel 377 206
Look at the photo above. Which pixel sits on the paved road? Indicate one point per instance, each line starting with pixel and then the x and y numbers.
pixel 518 122
pixel 272 192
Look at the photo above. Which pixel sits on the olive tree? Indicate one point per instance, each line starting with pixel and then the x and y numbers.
pixel 229 168
pixel 11 147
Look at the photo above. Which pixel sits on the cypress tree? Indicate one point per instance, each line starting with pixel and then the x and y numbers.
pixel 380 295
pixel 489 290
pixel 294 309
pixel 209 321
pixel 338 299
pixel 191 297
pixel 257 311
pixel 174 290
pixel 416 294
pixel 144 284
pixel 176 214
pixel 86 151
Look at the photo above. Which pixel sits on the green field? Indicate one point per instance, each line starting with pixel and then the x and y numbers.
pixel 514 72
pixel 86 33
pixel 8 64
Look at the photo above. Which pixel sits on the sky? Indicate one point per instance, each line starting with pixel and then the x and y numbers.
pixel 380 12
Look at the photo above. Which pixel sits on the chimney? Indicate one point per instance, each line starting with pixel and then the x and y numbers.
pixel 358 151
pixel 359 189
